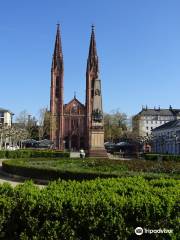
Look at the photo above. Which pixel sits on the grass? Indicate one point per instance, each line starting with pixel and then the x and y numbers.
pixel 75 165
pixel 103 166
pixel 109 166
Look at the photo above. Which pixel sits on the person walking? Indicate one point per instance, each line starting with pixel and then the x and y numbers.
pixel 82 153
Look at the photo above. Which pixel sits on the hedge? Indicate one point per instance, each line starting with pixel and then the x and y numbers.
pixel 48 173
pixel 90 210
pixel 33 153
pixel 164 157
pixel 76 169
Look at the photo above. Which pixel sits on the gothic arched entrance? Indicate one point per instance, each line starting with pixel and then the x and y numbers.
pixel 75 142
pixel 66 142
pixel 82 143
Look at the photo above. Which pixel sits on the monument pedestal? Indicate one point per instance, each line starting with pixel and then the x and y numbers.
pixel 100 153
pixel 96 148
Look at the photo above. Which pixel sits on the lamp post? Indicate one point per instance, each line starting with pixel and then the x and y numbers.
pixel 175 142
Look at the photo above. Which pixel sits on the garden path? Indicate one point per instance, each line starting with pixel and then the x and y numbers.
pixel 5 177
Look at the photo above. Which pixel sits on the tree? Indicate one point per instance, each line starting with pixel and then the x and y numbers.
pixel 29 123
pixel 22 118
pixel 33 131
pixel 12 135
pixel 44 123
pixel 115 124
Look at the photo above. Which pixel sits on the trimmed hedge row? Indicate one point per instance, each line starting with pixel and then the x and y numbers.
pixel 90 210
pixel 33 154
pixel 76 169
pixel 164 157
pixel 48 173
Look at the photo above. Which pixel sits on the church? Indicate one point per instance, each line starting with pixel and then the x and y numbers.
pixel 76 125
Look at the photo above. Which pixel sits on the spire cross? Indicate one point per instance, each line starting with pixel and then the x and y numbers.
pixel 74 94
pixel 58 25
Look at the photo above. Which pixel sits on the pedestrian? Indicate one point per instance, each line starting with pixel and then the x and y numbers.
pixel 82 153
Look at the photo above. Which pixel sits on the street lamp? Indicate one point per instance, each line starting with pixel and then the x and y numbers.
pixel 175 141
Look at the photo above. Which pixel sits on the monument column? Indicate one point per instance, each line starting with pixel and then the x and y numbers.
pixel 94 110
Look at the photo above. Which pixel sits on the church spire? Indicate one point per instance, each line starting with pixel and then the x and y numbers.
pixel 92 57
pixel 58 56
pixel 92 47
pixel 57 93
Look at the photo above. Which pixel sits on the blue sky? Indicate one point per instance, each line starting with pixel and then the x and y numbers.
pixel 138 43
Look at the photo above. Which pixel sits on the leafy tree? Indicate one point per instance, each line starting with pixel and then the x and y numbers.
pixel 115 124
pixel 33 132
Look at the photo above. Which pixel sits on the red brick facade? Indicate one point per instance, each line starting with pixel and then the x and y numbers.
pixel 72 124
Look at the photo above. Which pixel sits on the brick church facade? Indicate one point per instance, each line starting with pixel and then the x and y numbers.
pixel 76 125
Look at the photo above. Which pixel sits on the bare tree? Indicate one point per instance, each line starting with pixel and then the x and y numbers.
pixel 22 118
pixel 12 135
pixel 44 123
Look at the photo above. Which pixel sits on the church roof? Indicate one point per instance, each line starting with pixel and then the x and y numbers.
pixel 74 100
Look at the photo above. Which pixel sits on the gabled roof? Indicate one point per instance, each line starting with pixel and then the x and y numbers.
pixel 169 125
pixel 74 100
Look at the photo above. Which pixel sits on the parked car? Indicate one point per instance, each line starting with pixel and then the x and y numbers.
pixel 12 148
pixel 109 146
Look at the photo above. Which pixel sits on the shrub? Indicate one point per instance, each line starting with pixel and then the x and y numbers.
pixel 21 167
pixel 165 157
pixel 2 154
pixel 76 169
pixel 96 209
pixel 33 153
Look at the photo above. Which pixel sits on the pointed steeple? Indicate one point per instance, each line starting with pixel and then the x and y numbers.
pixel 92 57
pixel 57 93
pixel 92 47
pixel 57 56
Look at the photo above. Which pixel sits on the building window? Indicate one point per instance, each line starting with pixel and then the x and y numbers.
pixel 57 86
pixel 74 108
pixel 1 120
pixel 147 128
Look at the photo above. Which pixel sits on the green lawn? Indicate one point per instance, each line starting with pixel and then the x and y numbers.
pixel 98 167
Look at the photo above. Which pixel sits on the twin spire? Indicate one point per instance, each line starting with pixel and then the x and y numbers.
pixel 58 46
pixel 58 55
pixel 92 47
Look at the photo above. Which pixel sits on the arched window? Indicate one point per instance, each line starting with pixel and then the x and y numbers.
pixel 57 86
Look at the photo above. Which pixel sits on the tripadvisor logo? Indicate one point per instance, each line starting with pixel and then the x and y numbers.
pixel 139 231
